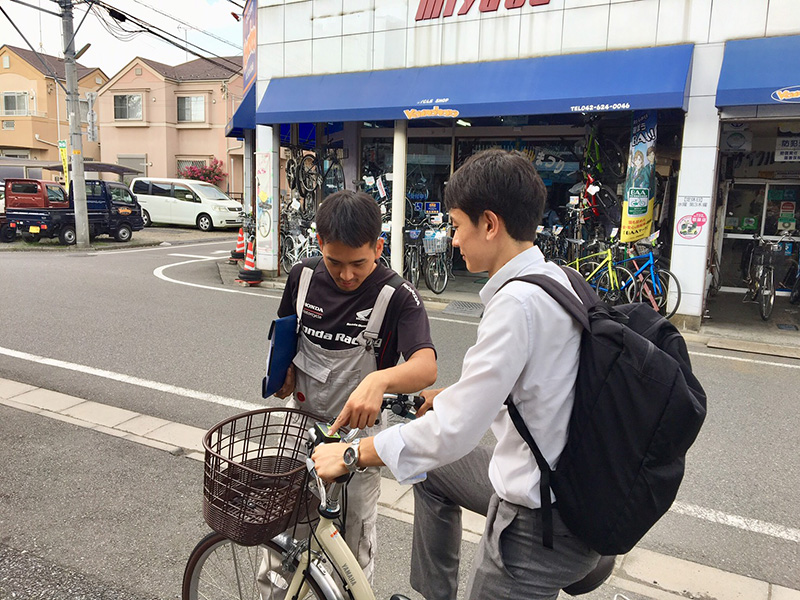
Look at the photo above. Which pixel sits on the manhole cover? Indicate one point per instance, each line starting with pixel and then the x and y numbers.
pixel 464 309
pixel 787 327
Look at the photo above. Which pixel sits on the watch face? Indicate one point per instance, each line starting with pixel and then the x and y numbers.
pixel 349 457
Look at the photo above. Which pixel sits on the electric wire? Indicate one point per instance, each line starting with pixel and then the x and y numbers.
pixel 165 36
pixel 189 25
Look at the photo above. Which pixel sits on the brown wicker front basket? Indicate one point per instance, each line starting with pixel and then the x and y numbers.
pixel 255 483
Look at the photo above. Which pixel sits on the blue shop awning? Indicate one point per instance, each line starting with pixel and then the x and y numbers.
pixel 645 78
pixel 244 117
pixel 760 71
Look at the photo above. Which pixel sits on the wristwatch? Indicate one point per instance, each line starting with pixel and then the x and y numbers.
pixel 351 456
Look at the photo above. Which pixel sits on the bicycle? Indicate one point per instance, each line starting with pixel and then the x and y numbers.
pixel 436 243
pixel 655 283
pixel 295 246
pixel 764 257
pixel 613 282
pixel 314 174
pixel 259 482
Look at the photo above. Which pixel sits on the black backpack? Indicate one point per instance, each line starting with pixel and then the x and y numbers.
pixel 638 408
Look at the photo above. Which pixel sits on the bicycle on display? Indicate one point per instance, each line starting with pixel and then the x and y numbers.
pixel 765 257
pixel 296 245
pixel 655 283
pixel 322 169
pixel 437 246
pixel 259 484
pixel 613 283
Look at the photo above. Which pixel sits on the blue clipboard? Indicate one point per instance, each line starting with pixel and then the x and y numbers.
pixel 282 350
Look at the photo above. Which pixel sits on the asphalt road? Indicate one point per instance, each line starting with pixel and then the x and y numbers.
pixel 91 511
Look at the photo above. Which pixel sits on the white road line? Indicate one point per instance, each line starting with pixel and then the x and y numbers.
pixel 195 256
pixel 159 272
pixel 451 320
pixel 682 508
pixel 152 385
pixel 745 523
pixel 747 360
pixel 170 247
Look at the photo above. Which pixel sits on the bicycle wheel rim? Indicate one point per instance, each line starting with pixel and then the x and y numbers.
pixel 287 254
pixel 436 274
pixel 308 174
pixel 667 284
pixel 766 298
pixel 220 569
pixel 612 159
pixel 625 290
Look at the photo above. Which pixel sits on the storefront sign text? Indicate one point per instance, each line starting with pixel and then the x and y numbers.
pixel 432 9
pixel 425 113
pixel 787 94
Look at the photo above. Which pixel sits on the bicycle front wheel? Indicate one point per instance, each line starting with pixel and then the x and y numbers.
pixel 411 268
pixel 656 292
pixel 612 159
pixel 436 273
pixel 220 569
pixel 622 291
pixel 287 254
pixel 766 296
pixel 307 174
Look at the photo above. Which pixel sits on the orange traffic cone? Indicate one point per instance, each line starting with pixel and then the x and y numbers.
pixel 249 274
pixel 238 253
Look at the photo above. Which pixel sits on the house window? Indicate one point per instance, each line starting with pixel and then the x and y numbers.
pixel 191 109
pixel 128 107
pixel 15 103
pixel 183 163
pixel 8 125
pixel 6 62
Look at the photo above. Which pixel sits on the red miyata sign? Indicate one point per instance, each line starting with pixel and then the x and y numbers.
pixel 433 9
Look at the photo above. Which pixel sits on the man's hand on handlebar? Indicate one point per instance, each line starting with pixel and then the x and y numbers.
pixel 429 395
pixel 329 462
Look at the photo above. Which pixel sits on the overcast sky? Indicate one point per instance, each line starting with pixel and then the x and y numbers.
pixel 111 54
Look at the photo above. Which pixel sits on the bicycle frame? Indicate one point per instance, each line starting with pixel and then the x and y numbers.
pixel 608 260
pixel 327 539
pixel 650 264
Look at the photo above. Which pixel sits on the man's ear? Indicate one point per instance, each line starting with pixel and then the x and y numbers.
pixel 493 224
pixel 319 241
pixel 379 247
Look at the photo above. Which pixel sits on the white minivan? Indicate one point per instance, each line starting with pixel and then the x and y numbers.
pixel 185 202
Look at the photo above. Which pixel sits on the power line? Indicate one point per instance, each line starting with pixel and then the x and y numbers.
pixel 216 37
pixel 120 15
pixel 237 4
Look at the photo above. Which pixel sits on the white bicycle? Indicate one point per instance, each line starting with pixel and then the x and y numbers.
pixel 259 483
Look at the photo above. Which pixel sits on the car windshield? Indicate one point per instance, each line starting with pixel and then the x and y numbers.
pixel 211 192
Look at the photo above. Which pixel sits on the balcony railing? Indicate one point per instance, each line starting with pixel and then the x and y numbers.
pixel 21 113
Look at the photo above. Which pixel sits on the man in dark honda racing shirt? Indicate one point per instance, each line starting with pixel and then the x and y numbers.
pixel 356 319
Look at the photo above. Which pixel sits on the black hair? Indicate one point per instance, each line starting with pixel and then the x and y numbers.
pixel 349 217
pixel 503 182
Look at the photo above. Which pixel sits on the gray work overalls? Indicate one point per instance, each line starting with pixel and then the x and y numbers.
pixel 324 379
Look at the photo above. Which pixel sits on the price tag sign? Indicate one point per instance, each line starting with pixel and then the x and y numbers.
pixel 540 229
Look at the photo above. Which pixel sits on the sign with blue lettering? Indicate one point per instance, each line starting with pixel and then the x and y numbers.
pixel 433 207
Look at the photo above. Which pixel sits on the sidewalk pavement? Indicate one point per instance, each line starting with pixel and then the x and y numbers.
pixel 647 574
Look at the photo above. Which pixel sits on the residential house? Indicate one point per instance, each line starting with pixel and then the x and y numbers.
pixel 33 106
pixel 159 118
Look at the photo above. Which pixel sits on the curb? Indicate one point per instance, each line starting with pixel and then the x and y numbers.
pixel 643 572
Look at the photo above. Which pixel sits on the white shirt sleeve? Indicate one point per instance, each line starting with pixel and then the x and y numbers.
pixel 463 412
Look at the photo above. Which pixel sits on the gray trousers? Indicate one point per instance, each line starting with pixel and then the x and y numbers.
pixel 511 561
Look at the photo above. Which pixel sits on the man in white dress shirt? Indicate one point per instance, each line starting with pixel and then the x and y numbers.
pixel 527 347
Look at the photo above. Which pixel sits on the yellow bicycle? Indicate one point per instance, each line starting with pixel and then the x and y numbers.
pixel 613 283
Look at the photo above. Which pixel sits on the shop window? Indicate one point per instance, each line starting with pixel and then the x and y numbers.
pixel 128 107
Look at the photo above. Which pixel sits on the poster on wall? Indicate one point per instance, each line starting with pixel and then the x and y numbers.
pixel 640 183
pixel 265 241
pixel 787 148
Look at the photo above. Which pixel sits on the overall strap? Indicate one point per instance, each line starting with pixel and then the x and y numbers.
pixel 370 334
pixel 302 289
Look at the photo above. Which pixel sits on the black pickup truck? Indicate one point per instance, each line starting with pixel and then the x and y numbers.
pixel 41 209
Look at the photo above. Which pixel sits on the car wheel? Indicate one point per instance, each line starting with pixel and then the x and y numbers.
pixel 146 218
pixel 204 222
pixel 123 233
pixel 31 238
pixel 67 236
pixel 8 234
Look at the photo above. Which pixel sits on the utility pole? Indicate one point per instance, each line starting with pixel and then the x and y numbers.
pixel 74 116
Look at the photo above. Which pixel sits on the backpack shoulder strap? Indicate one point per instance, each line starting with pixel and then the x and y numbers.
pixel 577 309
pixel 544 468
pixel 305 281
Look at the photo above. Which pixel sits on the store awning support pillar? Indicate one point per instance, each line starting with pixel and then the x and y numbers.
pixel 399 193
